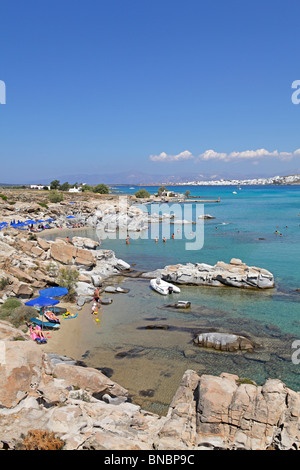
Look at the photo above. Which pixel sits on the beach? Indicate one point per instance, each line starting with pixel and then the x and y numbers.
pixel 146 347
pixel 136 356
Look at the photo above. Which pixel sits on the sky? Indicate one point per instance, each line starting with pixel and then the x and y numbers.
pixel 176 88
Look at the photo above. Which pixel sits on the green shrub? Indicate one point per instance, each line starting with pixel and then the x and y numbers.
pixel 101 189
pixel 4 281
pixel 142 193
pixel 55 196
pixel 42 204
pixel 15 312
pixel 68 278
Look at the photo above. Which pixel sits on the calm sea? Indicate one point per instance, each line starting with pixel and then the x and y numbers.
pixel 146 346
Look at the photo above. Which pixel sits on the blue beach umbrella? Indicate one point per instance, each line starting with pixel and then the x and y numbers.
pixel 70 217
pixel 17 225
pixel 42 302
pixel 53 292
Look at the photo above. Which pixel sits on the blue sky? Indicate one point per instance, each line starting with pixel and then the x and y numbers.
pixel 163 87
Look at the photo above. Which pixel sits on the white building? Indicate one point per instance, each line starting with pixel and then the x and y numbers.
pixel 75 190
pixel 39 186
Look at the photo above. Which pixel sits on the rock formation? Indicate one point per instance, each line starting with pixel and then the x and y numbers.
pixel 224 342
pixel 31 265
pixel 233 274
pixel 87 410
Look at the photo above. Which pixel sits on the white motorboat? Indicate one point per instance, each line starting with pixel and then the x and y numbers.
pixel 163 287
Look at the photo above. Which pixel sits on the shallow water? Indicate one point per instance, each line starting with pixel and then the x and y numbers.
pixel 151 362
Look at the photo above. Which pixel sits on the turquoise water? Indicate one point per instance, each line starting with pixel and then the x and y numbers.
pixel 153 361
pixel 253 215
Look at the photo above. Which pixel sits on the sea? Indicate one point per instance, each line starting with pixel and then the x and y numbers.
pixel 145 345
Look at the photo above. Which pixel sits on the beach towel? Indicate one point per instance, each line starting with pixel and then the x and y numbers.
pixel 34 336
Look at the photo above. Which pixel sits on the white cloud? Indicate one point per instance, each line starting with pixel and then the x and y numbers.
pixel 247 155
pixel 164 157
pixel 226 157
pixel 212 155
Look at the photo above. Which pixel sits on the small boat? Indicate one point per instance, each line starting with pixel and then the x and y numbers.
pixel 163 287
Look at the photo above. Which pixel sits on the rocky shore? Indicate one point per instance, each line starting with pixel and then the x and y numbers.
pixel 85 408
pixel 87 411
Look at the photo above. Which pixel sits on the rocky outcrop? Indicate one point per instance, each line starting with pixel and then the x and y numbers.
pixel 233 274
pixel 224 342
pixel 31 265
pixel 210 412
pixel 87 410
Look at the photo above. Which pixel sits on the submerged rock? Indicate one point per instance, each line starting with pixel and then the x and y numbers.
pixel 224 342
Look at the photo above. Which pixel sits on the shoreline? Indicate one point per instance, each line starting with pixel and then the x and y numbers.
pixel 69 339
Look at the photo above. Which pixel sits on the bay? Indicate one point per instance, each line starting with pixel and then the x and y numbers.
pixel 259 225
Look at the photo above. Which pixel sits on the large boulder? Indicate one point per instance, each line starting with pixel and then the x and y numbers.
pixel 84 242
pixel 211 412
pixel 233 274
pixel 224 342
pixel 66 253
pixel 20 371
pixel 88 379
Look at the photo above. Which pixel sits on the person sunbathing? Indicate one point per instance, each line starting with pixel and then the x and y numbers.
pixel 51 317
pixel 37 334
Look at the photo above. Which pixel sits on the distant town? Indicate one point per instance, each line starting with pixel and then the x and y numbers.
pixel 292 179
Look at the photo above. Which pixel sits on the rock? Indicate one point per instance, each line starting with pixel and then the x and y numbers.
pixel 234 274
pixel 89 411
pixel 121 265
pixel 20 372
pixel 88 379
pixel 86 243
pixel 24 291
pixel 224 342
pixel 62 252
pixel 115 290
pixel 43 244
pixel 230 415
pixel 19 274
pixel 206 216
pixel 84 258
pixel 83 289
pixel 96 280
pixel 68 254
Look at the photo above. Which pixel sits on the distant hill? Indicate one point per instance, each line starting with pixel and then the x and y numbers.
pixel 5 185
